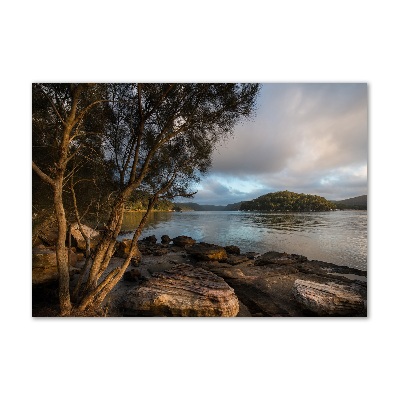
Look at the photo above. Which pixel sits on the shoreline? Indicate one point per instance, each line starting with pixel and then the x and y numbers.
pixel 127 234
pixel 263 283
pixel 319 236
pixel 263 289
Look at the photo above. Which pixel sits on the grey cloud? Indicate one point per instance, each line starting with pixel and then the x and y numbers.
pixel 323 124
pixel 306 137
pixel 216 188
pixel 213 192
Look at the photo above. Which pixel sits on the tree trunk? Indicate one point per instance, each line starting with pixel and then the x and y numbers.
pixel 62 252
pixel 105 248
pixel 96 296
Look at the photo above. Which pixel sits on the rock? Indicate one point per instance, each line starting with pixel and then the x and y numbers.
pixel 232 250
pixel 79 241
pixel 132 276
pixel 36 241
pixel 273 257
pixel 144 248
pixel 183 291
pixel 207 252
pixel 44 265
pixel 165 239
pixel 183 241
pixel 327 299
pixel 48 232
pixel 123 248
pixel 150 239
pixel 251 255
pixel 160 252
pixel 42 246
pixel 73 258
pixel 234 260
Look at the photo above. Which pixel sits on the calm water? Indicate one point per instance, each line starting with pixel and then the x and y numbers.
pixel 339 237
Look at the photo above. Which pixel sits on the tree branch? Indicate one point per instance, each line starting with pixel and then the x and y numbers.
pixel 53 106
pixel 42 175
pixel 86 109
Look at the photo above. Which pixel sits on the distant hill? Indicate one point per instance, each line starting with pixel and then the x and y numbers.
pixel 197 207
pixel 288 201
pixel 357 203
pixel 233 206
pixel 206 207
pixel 282 201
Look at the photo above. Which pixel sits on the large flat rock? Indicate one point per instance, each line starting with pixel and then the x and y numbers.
pixel 183 290
pixel 327 299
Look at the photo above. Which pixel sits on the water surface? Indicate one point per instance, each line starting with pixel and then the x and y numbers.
pixel 339 237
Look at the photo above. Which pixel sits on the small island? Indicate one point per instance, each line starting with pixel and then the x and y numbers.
pixel 288 201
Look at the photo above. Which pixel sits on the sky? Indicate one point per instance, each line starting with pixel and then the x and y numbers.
pixel 306 138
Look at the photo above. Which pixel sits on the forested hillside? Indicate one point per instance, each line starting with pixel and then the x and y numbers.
pixel 197 207
pixel 288 201
pixel 355 203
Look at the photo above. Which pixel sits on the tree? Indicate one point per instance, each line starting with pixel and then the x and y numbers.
pixel 156 138
pixel 59 114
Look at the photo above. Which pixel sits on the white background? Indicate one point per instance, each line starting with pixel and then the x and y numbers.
pixel 285 41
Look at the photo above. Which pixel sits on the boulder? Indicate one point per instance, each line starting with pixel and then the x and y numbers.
pixel 183 241
pixel 234 259
pixel 132 276
pixel 44 265
pixel 207 252
pixel 36 241
pixel 232 250
pixel 123 248
pixel 327 299
pixel 165 239
pixel 273 257
pixel 150 239
pixel 47 232
pixel 182 291
pixel 251 255
pixel 78 239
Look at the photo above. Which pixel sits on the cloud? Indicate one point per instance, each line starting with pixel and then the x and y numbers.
pixel 212 191
pixel 311 138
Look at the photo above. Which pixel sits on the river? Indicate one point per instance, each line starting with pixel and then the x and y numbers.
pixel 339 237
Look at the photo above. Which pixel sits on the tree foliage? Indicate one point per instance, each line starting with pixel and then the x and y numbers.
pixel 86 168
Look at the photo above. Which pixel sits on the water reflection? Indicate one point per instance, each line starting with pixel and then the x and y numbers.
pixel 286 222
pixel 132 219
pixel 339 237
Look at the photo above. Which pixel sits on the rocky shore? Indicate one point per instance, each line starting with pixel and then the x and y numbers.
pixel 179 277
